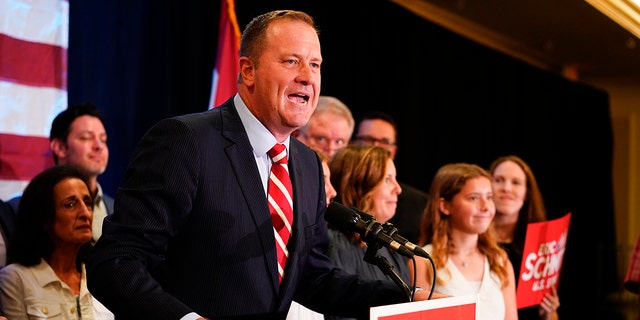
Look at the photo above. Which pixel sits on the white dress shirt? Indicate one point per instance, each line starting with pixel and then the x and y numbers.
pixel 36 292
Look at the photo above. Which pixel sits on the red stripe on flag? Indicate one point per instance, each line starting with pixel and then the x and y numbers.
pixel 225 72
pixel 22 157
pixel 32 63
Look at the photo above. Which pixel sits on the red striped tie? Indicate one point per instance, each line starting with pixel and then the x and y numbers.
pixel 280 203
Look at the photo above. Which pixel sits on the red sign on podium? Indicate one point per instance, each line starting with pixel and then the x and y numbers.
pixel 451 308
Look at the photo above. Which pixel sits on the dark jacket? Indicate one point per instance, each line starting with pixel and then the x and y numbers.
pixel 191 232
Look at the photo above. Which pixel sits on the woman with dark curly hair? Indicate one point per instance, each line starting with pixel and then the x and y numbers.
pixel 45 276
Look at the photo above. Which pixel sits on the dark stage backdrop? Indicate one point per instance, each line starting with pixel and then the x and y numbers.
pixel 454 101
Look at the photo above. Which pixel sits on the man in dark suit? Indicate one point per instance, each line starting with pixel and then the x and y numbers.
pixel 192 237
pixel 380 129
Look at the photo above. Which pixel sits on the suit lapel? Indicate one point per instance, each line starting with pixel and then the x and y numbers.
pixel 243 164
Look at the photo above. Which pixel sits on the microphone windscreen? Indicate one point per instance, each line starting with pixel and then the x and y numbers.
pixel 340 217
pixel 363 215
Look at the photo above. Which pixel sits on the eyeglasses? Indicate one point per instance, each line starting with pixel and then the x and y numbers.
pixel 373 141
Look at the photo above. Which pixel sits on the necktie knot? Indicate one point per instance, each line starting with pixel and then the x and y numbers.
pixel 278 154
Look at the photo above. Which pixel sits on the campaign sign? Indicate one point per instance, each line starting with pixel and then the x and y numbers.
pixel 450 308
pixel 542 257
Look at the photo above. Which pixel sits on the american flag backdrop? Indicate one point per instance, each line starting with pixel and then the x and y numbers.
pixel 33 86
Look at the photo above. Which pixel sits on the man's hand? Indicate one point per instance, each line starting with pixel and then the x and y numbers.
pixel 423 294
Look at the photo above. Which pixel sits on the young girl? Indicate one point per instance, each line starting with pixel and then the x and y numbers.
pixel 468 260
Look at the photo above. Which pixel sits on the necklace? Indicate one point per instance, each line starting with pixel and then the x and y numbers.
pixel 462 257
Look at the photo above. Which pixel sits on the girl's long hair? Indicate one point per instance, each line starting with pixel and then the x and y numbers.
pixel 435 226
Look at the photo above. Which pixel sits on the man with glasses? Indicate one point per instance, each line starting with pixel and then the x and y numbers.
pixel 380 129
pixel 329 128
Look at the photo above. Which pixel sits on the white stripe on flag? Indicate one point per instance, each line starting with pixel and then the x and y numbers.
pixel 11 188
pixel 43 21
pixel 29 111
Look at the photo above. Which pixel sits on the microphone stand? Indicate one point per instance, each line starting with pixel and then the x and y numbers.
pixel 385 266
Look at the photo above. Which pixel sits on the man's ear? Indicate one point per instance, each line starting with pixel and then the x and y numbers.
pixel 58 147
pixel 247 71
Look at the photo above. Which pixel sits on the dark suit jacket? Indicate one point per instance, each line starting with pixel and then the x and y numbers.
pixel 191 231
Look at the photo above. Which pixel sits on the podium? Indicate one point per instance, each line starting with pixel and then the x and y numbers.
pixel 451 308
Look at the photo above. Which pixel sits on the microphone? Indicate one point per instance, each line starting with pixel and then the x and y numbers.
pixel 392 231
pixel 389 229
pixel 349 219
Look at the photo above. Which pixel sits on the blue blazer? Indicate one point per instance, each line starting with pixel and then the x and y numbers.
pixel 108 203
pixel 191 232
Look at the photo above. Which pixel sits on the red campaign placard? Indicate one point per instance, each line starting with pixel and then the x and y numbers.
pixel 542 257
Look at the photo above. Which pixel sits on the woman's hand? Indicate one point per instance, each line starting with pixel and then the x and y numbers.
pixel 549 307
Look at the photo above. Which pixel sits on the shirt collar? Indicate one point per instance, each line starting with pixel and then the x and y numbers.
pixel 97 200
pixel 260 137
